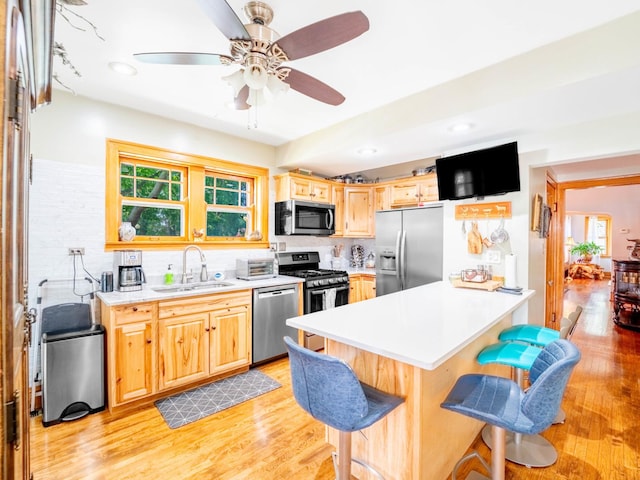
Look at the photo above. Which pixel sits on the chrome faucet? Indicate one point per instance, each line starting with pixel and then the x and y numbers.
pixel 204 276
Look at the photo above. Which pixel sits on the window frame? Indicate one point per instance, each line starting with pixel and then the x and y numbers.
pixel 195 207
pixel 608 221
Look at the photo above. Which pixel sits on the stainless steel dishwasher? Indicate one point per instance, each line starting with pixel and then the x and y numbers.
pixel 271 308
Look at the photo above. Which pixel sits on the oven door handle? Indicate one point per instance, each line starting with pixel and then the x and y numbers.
pixel 321 290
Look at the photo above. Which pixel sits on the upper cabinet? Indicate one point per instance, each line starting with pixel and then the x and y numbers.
pixel 358 212
pixel 291 186
pixel 414 191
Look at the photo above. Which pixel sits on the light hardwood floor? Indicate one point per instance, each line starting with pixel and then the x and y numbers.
pixel 271 438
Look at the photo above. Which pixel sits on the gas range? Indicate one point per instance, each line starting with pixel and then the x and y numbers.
pixel 306 265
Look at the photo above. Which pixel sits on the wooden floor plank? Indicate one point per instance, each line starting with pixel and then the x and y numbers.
pixel 271 438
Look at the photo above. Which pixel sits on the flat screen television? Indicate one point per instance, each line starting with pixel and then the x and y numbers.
pixel 481 173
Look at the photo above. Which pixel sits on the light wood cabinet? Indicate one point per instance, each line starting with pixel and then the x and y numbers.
pixel 382 201
pixel 337 194
pixel 183 347
pixel 358 212
pixel 362 286
pixel 230 333
pixel 414 191
pixel 132 351
pixel 204 336
pixel 170 345
pixel 290 186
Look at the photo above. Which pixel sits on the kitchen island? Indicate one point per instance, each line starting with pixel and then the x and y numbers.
pixel 415 344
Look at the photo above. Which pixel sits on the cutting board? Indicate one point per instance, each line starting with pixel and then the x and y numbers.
pixel 489 285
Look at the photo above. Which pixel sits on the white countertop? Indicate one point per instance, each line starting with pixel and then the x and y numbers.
pixel 147 294
pixel 422 326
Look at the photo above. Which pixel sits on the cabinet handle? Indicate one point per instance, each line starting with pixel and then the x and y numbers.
pixel 213 328
pixel 180 340
pixel 206 329
pixel 135 309
pixel 148 340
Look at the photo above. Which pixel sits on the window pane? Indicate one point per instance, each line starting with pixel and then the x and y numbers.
pixel 225 197
pixel 151 189
pixel 209 181
pixel 176 176
pixel 208 195
pixel 226 224
pixel 149 172
pixel 126 187
pixel 153 221
pixel 126 169
pixel 226 183
pixel 176 188
pixel 243 200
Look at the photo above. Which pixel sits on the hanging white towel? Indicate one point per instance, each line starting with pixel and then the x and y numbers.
pixel 329 299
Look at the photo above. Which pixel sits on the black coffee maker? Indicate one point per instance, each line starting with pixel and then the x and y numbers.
pixel 127 270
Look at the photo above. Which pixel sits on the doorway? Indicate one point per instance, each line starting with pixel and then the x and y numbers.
pixel 555 252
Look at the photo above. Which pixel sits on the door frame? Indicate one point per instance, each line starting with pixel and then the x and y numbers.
pixel 557 252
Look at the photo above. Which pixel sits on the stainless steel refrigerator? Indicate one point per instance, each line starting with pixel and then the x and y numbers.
pixel 408 248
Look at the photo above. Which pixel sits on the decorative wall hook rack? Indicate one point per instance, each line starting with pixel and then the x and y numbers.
pixel 479 211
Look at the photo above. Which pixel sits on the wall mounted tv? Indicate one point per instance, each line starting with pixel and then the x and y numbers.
pixel 481 173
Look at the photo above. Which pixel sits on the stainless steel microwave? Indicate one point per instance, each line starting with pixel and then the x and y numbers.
pixel 297 217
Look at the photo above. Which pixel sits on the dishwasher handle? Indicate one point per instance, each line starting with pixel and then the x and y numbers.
pixel 276 293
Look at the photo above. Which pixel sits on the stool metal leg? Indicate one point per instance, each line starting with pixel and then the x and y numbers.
pixel 342 459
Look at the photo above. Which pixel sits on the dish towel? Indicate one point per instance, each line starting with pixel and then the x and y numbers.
pixel 329 299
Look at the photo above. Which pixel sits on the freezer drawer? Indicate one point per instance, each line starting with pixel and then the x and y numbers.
pixel 72 374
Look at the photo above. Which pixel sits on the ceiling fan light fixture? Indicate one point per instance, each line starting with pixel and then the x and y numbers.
pixel 276 86
pixel 256 98
pixel 256 76
pixel 236 80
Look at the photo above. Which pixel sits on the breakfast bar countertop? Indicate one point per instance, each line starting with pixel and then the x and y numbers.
pixel 422 326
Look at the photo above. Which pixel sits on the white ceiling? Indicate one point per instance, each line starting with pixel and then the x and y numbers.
pixel 411 47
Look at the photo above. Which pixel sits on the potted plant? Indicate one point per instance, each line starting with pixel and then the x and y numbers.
pixel 586 250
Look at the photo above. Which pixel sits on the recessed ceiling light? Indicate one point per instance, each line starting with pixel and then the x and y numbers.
pixel 367 151
pixel 461 127
pixel 123 68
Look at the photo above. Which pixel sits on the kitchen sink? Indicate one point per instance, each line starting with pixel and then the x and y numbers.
pixel 188 287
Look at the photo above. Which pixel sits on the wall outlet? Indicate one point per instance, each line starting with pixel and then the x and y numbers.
pixel 282 246
pixel 273 247
pixel 492 256
pixel 76 251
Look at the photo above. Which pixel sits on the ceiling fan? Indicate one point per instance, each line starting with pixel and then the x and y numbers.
pixel 261 52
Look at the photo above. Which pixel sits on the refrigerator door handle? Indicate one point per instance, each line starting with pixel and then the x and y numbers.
pixel 402 254
pixel 397 257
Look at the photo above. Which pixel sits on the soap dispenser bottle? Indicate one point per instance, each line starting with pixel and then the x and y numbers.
pixel 168 276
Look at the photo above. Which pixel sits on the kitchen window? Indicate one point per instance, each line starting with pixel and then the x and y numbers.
pixel 176 199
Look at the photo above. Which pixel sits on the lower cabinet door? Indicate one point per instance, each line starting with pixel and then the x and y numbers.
pixel 134 361
pixel 230 332
pixel 183 347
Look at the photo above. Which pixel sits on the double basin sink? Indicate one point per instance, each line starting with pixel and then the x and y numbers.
pixel 188 287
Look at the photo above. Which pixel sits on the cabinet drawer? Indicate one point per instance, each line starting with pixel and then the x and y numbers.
pixel 203 303
pixel 133 313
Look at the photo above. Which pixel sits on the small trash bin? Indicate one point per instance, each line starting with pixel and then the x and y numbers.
pixel 73 383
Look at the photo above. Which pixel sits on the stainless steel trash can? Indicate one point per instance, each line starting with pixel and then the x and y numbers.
pixel 73 383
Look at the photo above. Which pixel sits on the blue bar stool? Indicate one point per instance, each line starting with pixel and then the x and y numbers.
pixel 503 404
pixel 328 389
pixel 519 348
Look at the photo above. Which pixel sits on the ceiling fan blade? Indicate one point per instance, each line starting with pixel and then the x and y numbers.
pixel 240 102
pixel 323 35
pixel 312 87
pixel 223 17
pixel 182 58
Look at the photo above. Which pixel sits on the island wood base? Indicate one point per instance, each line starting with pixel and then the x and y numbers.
pixel 418 440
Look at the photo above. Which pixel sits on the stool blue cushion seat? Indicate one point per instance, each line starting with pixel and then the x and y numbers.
pixel 328 389
pixel 518 355
pixel 533 334
pixel 502 402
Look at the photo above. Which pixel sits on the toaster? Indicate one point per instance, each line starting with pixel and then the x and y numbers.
pixel 255 268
